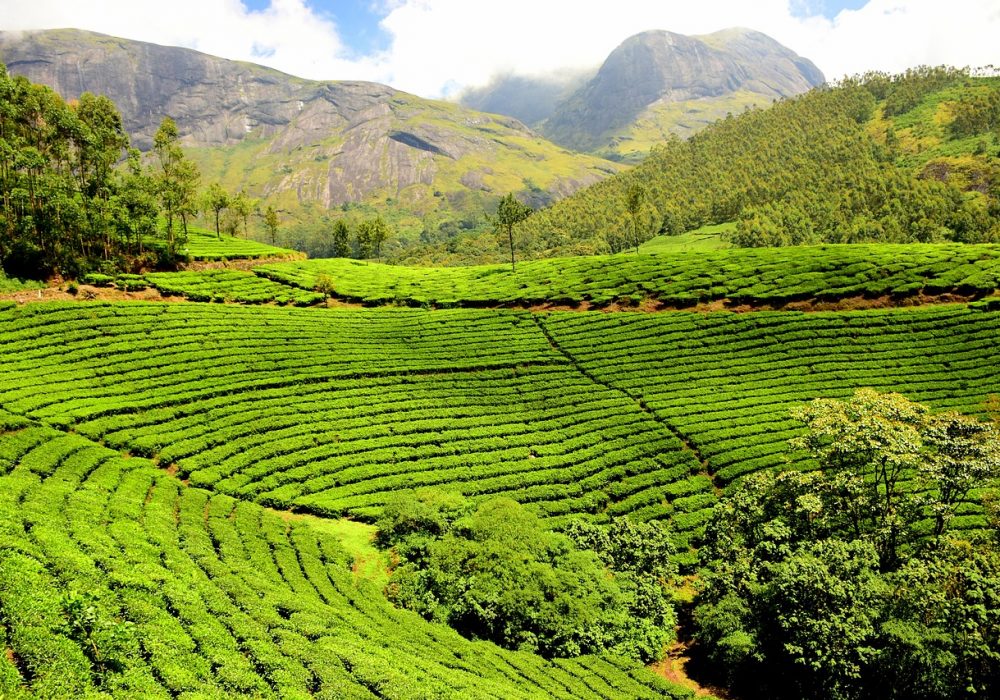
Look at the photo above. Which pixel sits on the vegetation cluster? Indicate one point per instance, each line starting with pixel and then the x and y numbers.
pixel 840 164
pixel 75 198
pixel 493 571
pixel 847 582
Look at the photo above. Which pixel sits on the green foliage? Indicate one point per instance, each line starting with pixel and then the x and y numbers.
pixel 118 580
pixel 203 246
pixel 495 573
pixel 60 194
pixel 176 181
pixel 215 199
pixel 341 235
pixel 870 443
pixel 371 234
pixel 806 170
pixel 808 591
pixel 271 222
pixel 977 115
pixel 104 641
pixel 229 285
pixel 680 278
pixel 510 213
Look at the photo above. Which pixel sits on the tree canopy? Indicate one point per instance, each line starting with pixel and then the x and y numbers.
pixel 850 581
pixel 492 571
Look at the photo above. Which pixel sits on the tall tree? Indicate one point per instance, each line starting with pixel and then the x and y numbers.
pixel 216 199
pixel 635 195
pixel 341 239
pixel 510 213
pixel 243 206
pixel 178 179
pixel 376 231
pixel 271 222
pixel 363 239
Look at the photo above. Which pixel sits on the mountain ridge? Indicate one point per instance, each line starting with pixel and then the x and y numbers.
pixel 656 83
pixel 302 143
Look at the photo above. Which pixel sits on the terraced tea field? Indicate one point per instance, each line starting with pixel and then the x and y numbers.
pixel 682 278
pixel 229 286
pixel 204 245
pixel 211 596
pixel 142 446
pixel 333 411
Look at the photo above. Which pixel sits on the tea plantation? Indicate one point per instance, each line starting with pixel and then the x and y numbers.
pixel 195 594
pixel 681 278
pixel 155 459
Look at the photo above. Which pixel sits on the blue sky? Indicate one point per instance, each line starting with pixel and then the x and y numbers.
pixel 356 20
pixel 435 48
pixel 825 8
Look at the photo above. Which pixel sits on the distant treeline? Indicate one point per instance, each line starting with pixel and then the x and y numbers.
pixel 807 170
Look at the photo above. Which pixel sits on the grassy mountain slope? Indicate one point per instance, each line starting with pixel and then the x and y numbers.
pixel 309 147
pixel 820 167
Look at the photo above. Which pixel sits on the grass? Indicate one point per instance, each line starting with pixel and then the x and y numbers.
pixel 13 284
pixel 709 237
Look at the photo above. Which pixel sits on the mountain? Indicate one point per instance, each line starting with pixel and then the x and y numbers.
pixel 655 84
pixel 307 146
pixel 906 158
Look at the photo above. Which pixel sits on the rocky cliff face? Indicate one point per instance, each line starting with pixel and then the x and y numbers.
pixel 654 84
pixel 301 141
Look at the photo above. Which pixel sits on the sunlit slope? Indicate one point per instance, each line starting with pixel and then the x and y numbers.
pixel 196 594
pixel 332 412
pixel 879 159
pixel 761 276
pixel 574 414
pixel 727 381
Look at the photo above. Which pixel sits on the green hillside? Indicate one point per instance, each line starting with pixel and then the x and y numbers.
pixel 189 593
pixel 331 412
pixel 229 285
pixel 879 158
pixel 679 278
pixel 204 245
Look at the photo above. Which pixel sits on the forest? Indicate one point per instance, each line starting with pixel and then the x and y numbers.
pixel 840 164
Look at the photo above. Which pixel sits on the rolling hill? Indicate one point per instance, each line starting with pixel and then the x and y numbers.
pixel 877 158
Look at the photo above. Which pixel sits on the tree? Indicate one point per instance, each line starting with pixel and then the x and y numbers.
pixel 341 239
pixel 372 233
pixel 635 195
pixel 363 240
pixel 271 222
pixel 494 572
pixel 868 443
pixel 243 206
pixel 216 199
pixel 510 213
pixel 831 583
pixel 178 179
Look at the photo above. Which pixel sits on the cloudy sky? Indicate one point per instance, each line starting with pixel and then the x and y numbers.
pixel 434 48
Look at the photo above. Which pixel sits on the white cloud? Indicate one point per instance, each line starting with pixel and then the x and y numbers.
pixel 439 46
pixel 288 35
